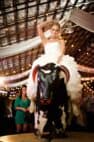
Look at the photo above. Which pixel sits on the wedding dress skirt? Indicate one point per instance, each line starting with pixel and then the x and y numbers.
pixel 74 86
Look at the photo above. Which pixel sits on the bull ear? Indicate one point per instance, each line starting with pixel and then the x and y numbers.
pixel 35 71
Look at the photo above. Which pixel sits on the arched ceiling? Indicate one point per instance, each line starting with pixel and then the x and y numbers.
pixel 18 21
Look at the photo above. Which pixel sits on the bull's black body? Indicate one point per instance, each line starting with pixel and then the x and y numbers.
pixel 52 95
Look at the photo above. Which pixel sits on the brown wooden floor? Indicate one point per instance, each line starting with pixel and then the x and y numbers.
pixel 30 137
pixel 77 137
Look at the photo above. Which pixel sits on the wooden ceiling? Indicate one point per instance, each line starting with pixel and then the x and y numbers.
pixel 18 20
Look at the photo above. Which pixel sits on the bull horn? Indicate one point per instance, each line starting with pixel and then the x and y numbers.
pixel 66 72
pixel 35 70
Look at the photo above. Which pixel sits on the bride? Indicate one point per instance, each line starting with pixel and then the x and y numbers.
pixel 54 51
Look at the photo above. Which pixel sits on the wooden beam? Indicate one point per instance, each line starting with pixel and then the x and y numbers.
pixel 83 19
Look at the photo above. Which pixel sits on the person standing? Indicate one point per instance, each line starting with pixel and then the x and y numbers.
pixel 21 106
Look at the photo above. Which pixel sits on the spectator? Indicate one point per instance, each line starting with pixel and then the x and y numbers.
pixel 21 105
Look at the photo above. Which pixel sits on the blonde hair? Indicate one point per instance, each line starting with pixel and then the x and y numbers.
pixel 55 23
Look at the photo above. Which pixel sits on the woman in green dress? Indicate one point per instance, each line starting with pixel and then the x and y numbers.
pixel 21 105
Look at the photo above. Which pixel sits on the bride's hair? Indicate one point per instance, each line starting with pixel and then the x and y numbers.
pixel 55 23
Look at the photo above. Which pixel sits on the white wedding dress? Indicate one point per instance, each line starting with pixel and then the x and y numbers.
pixel 52 53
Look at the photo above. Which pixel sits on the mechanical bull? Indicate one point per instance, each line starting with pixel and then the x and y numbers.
pixel 52 100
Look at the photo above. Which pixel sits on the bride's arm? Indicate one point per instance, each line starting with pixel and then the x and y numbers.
pixel 62 50
pixel 40 30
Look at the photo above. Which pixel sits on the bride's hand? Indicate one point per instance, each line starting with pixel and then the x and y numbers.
pixel 45 24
